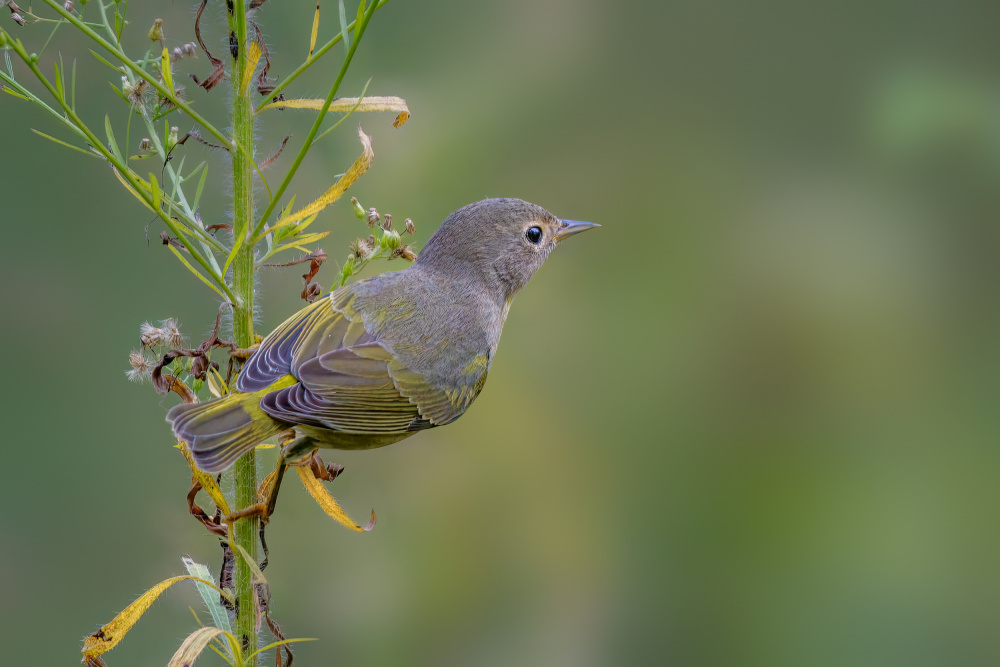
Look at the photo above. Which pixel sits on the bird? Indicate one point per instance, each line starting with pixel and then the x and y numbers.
pixel 381 359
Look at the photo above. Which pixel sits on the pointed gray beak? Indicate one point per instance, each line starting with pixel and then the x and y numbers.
pixel 570 227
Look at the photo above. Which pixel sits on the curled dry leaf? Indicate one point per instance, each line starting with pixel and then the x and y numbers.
pixel 327 502
pixel 218 67
pixel 345 104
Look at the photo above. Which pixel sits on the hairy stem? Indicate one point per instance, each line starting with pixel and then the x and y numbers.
pixel 244 531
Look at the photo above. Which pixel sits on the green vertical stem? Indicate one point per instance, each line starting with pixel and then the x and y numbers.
pixel 244 530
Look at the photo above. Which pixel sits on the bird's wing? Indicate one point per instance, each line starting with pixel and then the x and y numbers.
pixel 347 381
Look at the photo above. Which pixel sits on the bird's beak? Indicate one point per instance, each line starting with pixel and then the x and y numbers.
pixel 570 227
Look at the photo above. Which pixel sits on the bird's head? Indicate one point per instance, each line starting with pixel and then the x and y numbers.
pixel 503 241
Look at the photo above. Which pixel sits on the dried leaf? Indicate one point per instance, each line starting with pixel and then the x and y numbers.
pixel 218 68
pixel 195 643
pixel 359 167
pixel 345 104
pixel 264 85
pixel 112 633
pixel 267 163
pixel 328 503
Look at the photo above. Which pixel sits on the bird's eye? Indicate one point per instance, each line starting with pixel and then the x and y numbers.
pixel 534 235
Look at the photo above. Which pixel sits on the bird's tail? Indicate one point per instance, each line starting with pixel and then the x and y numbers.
pixel 222 430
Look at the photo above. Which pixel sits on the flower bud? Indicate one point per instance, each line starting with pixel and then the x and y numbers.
pixel 172 138
pixel 410 228
pixel 156 32
pixel 391 240
pixel 358 211
pixel 387 222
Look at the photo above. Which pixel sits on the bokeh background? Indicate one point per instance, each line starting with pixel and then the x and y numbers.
pixel 752 420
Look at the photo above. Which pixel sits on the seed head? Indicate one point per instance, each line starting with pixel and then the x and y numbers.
pixel 176 54
pixel 190 49
pixel 406 252
pixel 410 228
pixel 387 222
pixel 145 145
pixel 151 336
pixel 142 366
pixel 68 6
pixel 373 217
pixel 171 333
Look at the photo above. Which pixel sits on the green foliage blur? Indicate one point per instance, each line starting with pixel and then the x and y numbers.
pixel 750 421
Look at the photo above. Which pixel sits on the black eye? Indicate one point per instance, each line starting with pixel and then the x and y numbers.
pixel 534 235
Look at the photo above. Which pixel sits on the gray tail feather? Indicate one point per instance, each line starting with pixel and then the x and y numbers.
pixel 220 431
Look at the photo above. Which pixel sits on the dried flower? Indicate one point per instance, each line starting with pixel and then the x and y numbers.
pixel 191 49
pixel 171 333
pixel 151 336
pixel 410 228
pixel 68 6
pixel 358 210
pixel 142 366
pixel 406 252
pixel 156 32
pixel 387 222
pixel 145 145
pixel 18 19
pixel 176 54
pixel 373 217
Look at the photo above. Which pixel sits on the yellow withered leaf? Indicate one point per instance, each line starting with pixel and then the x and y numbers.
pixel 328 503
pixel 345 104
pixel 194 644
pixel 314 33
pixel 359 167
pixel 112 633
pixel 253 58
pixel 207 481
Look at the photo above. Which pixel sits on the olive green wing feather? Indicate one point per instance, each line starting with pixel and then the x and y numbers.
pixel 347 381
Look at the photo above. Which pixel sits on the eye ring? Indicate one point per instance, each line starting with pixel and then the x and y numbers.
pixel 534 235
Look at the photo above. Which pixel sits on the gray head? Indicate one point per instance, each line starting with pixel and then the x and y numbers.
pixel 503 241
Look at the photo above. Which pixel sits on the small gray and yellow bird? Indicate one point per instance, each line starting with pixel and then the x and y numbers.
pixel 379 360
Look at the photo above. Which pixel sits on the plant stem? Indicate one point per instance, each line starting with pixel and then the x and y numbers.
pixel 244 531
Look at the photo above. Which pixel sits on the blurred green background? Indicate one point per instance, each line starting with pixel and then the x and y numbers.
pixel 750 421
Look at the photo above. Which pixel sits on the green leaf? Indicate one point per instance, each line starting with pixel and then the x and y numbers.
pixel 358 20
pixel 208 595
pixel 63 143
pixel 168 76
pixel 196 272
pixel 101 58
pixel 111 138
pixel 201 187
pixel 343 28
pixel 154 187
